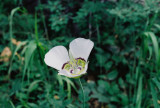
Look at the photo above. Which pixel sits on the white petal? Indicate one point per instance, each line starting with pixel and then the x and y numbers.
pixel 56 57
pixel 67 74
pixel 81 47
pixel 64 72
pixel 85 70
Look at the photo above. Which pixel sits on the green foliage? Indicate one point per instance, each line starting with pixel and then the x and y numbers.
pixel 124 66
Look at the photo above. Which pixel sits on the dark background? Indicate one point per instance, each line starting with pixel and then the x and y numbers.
pixel 123 67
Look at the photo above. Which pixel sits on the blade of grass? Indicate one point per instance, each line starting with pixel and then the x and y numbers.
pixel 28 54
pixel 10 25
pixel 155 80
pixel 36 29
pixel 33 86
pixel 139 93
pixel 60 81
pixel 40 47
pixel 153 19
pixel 12 104
pixel 154 95
pixel 69 85
pixel 155 46
pixel 13 55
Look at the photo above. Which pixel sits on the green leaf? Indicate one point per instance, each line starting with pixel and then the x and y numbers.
pixel 100 97
pixel 112 75
pixel 103 86
pixel 121 83
pixel 124 99
pixel 101 59
pixel 33 86
pixel 33 105
pixel 21 96
pixel 108 65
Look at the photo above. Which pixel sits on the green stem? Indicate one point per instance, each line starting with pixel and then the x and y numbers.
pixel 83 93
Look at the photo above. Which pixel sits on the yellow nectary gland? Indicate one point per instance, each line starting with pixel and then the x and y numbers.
pixel 75 67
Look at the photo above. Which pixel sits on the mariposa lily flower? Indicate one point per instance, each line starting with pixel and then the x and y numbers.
pixel 75 63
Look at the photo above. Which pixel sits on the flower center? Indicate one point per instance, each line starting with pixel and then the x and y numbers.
pixel 75 67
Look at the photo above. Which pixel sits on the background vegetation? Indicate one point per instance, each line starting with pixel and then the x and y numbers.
pixel 124 68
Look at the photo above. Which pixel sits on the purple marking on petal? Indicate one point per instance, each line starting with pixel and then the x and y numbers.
pixel 71 71
pixel 79 68
pixel 64 65
pixel 81 59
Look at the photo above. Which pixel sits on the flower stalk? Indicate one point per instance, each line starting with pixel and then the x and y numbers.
pixel 82 93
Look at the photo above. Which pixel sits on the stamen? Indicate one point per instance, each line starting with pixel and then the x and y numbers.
pixel 75 66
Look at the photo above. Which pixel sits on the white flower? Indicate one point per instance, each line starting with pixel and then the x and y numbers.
pixel 75 63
